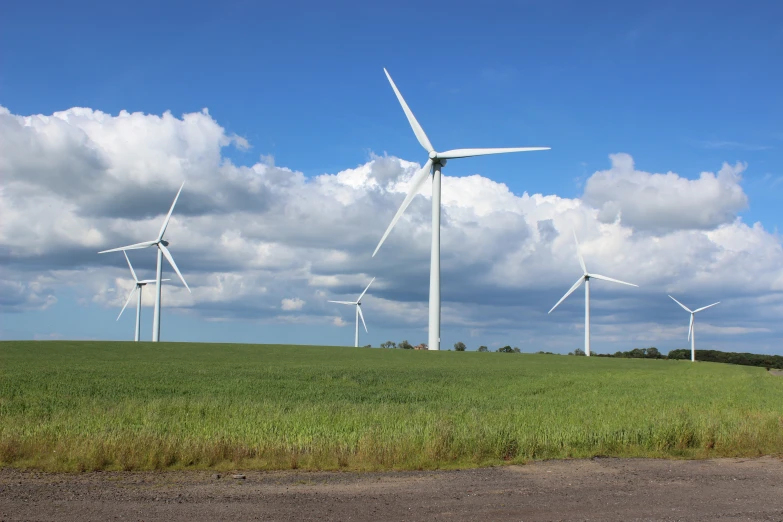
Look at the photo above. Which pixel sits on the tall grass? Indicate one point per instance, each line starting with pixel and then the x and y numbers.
pixel 111 405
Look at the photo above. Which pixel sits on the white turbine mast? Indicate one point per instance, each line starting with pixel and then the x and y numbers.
pixel 585 278
pixel 433 166
pixel 137 288
pixel 691 331
pixel 161 245
pixel 359 314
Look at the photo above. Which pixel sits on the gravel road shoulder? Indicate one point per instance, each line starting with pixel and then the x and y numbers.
pixel 595 489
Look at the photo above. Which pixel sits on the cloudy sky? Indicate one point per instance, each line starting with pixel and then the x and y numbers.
pixel 666 126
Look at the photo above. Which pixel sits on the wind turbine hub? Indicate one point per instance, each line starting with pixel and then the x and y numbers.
pixel 433 155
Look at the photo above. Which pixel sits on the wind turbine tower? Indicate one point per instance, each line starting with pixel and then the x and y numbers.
pixel 359 314
pixel 162 250
pixel 435 163
pixel 585 278
pixel 691 331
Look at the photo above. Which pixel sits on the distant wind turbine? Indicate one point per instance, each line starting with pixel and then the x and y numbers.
pixel 161 245
pixel 359 313
pixel 139 285
pixel 433 166
pixel 585 278
pixel 691 331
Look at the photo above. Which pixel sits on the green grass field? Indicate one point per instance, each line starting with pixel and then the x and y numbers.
pixel 112 405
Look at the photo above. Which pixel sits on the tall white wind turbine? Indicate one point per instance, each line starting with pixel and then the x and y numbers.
pixel 691 331
pixel 433 166
pixel 161 245
pixel 585 278
pixel 359 313
pixel 137 288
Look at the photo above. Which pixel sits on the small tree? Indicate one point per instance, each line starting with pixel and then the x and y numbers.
pixel 368 346
pixel 459 346
pixel 389 344
pixel 405 345
pixel 483 349
pixel 506 349
pixel 517 350
pixel 578 351
pixel 653 353
pixel 638 353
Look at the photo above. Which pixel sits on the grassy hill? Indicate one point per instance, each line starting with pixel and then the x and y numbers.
pixel 121 405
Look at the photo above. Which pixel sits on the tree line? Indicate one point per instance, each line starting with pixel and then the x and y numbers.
pixel 742 358
pixel 458 347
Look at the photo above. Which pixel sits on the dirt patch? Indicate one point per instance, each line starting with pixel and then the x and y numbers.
pixel 779 373
pixel 596 489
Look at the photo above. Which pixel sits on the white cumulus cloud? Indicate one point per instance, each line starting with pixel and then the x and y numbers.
pixel 664 202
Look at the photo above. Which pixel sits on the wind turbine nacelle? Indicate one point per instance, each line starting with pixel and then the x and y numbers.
pixel 164 242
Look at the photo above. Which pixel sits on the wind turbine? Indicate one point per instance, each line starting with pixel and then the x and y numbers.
pixel 691 331
pixel 433 166
pixel 161 245
pixel 359 313
pixel 585 278
pixel 138 287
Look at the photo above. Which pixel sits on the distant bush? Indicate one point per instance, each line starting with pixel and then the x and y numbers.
pixel 506 349
pixel 405 345
pixel 389 344
pixel 578 351
pixel 460 346
pixel 483 349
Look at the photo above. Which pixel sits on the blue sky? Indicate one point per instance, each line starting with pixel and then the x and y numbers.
pixel 679 86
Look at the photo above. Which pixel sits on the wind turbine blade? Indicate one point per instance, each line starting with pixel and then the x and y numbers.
pixel 128 301
pixel 136 246
pixel 683 306
pixel 151 281
pixel 342 302
pixel 416 183
pixel 579 254
pixel 168 216
pixel 571 291
pixel 705 307
pixel 361 315
pixel 597 276
pixel 130 266
pixel 417 130
pixel 365 291
pixel 690 328
pixel 468 153
pixel 167 254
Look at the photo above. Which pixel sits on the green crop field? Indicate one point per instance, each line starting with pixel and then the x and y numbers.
pixel 112 405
